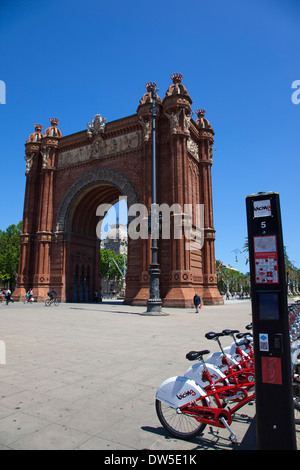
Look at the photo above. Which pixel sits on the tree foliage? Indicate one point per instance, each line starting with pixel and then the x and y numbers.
pixel 292 274
pixel 9 254
pixel 108 264
pixel 231 280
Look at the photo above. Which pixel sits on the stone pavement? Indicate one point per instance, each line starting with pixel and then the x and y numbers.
pixel 83 376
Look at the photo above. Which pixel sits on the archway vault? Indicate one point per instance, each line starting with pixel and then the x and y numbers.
pixel 92 189
pixel 76 222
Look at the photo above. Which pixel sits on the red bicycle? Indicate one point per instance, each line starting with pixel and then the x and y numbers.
pixel 236 368
pixel 184 408
pixel 185 405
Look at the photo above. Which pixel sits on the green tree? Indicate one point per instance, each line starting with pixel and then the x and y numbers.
pixel 9 254
pixel 231 280
pixel 108 264
pixel 292 275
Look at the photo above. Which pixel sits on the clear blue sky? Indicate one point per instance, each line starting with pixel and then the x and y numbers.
pixel 73 59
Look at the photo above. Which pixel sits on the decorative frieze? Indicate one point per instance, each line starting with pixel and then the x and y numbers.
pixel 122 143
pixel 74 156
pixel 100 148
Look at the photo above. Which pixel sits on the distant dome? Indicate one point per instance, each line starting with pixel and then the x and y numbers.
pixel 116 239
pixel 37 135
pixel 53 131
pixel 117 231
pixel 201 122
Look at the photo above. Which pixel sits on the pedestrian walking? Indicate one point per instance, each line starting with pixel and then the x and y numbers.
pixel 197 302
pixel 8 297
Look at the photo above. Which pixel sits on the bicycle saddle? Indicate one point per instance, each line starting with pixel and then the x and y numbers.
pixel 212 335
pixel 193 355
pixel 241 335
pixel 229 332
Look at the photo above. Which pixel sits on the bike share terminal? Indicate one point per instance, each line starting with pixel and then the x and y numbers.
pixel 272 358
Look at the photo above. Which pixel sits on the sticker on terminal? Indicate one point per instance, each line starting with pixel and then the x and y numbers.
pixel 271 370
pixel 266 260
pixel 262 208
pixel 263 342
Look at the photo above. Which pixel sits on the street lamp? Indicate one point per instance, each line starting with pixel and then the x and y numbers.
pixel 154 303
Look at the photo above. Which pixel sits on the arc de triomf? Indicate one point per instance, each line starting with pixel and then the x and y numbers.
pixel 68 177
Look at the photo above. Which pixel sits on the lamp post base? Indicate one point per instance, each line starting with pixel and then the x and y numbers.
pixel 154 308
pixel 154 303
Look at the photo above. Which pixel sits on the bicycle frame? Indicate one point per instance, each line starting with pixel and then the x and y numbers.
pixel 243 351
pixel 205 390
pixel 204 382
pixel 211 415
pixel 175 389
pixel 235 372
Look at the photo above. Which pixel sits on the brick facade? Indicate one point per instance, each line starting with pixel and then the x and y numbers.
pixel 68 177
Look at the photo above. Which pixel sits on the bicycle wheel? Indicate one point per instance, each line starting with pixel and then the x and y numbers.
pixel 48 303
pixel 55 302
pixel 179 425
pixel 297 410
pixel 296 393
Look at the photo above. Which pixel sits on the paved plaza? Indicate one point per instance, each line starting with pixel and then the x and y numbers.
pixel 83 376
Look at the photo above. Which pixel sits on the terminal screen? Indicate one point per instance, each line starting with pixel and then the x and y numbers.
pixel 268 306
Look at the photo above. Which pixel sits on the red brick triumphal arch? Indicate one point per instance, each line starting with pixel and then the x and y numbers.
pixel 69 177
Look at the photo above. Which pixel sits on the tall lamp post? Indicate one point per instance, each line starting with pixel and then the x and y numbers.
pixel 154 303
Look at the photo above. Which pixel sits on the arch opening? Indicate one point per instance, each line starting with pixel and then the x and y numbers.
pixel 79 221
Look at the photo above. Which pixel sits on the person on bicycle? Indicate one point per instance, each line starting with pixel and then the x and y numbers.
pixel 52 294
pixel 29 295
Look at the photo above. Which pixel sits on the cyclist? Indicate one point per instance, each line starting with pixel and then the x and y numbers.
pixel 52 294
pixel 29 295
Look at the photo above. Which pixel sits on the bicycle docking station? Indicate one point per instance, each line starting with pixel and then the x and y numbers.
pixel 275 425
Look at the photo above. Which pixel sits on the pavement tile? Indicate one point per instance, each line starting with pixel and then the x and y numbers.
pixel 84 376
